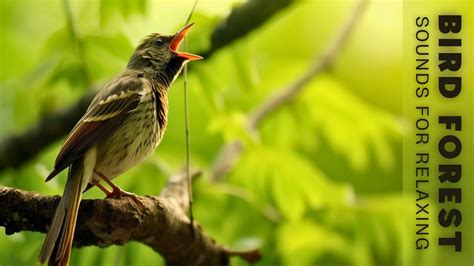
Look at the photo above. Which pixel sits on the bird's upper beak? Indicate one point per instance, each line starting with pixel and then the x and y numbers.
pixel 177 39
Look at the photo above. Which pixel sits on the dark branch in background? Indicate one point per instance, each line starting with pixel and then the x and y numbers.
pixel 19 148
pixel 231 152
pixel 242 20
pixel 161 224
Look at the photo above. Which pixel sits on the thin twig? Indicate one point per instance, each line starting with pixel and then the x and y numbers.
pixel 191 12
pixel 186 126
pixel 230 153
pixel 188 155
pixel 77 43
pixel 320 63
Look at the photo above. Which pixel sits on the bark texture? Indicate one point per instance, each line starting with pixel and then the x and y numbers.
pixel 161 224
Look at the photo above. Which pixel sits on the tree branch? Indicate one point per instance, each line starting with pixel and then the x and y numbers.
pixel 242 20
pixel 17 149
pixel 161 224
pixel 230 153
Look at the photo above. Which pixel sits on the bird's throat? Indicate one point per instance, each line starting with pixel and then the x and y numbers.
pixel 167 75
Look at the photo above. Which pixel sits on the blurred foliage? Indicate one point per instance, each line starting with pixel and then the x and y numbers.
pixel 319 184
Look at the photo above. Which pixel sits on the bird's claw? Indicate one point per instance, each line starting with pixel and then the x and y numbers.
pixel 118 193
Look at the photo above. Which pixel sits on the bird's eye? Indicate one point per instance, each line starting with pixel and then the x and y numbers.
pixel 159 41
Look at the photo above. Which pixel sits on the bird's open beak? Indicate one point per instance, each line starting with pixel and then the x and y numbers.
pixel 178 38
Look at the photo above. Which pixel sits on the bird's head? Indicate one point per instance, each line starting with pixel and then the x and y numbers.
pixel 159 53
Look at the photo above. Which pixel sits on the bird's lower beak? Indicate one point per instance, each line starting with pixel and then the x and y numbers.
pixel 178 38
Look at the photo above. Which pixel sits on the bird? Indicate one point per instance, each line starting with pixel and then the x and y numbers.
pixel 123 125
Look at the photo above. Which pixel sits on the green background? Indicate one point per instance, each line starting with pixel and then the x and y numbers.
pixel 321 182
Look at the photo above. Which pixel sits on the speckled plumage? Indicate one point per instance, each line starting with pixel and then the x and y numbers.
pixel 128 146
pixel 123 125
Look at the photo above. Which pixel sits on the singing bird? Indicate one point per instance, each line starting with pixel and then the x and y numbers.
pixel 124 124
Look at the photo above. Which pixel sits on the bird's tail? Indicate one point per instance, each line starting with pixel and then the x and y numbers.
pixel 56 249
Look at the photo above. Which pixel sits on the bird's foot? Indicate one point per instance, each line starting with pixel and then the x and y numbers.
pixel 118 193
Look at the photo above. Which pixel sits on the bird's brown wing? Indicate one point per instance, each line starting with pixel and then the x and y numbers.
pixel 105 114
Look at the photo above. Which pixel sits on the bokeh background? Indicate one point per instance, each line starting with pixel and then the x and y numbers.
pixel 320 184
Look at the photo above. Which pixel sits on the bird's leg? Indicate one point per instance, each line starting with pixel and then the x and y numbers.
pixel 106 191
pixel 117 192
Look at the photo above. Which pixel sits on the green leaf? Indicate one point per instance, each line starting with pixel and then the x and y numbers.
pixel 301 243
